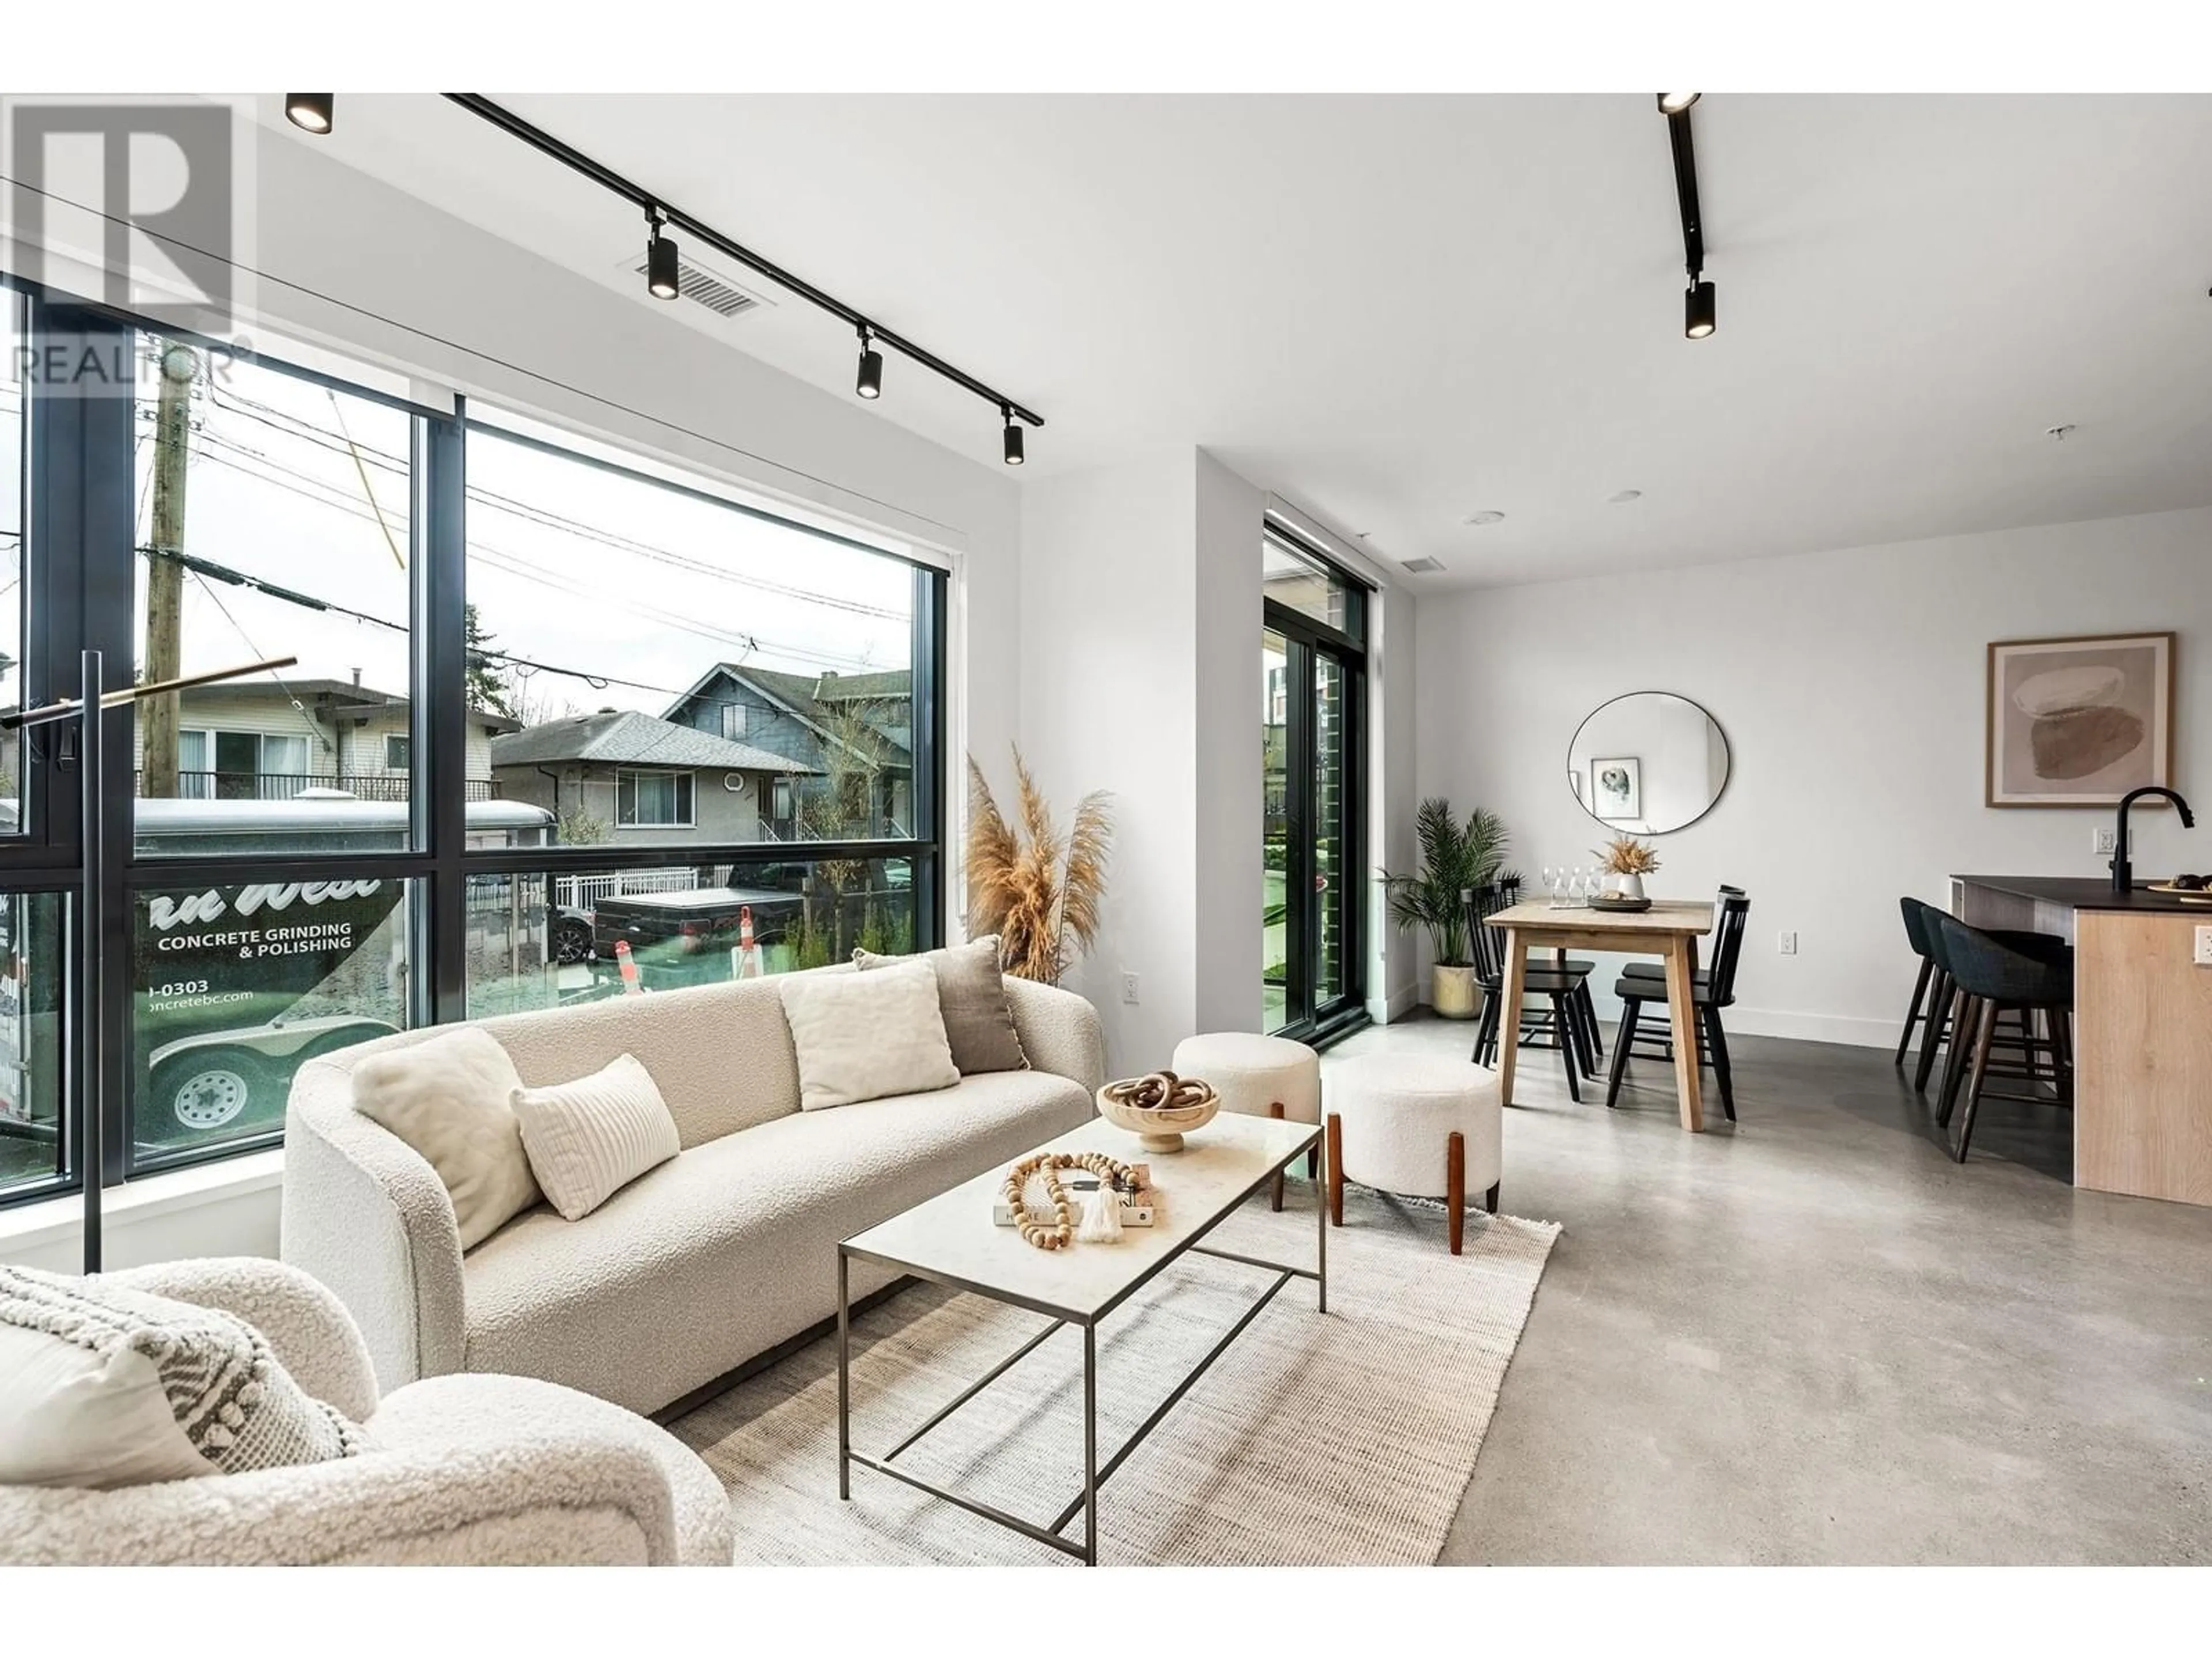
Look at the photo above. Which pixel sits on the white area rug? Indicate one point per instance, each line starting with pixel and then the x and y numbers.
pixel 1317 1439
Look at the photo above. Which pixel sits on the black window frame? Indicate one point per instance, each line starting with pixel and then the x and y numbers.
pixel 80 592
pixel 1308 639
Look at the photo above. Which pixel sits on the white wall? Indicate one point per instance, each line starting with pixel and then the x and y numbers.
pixel 350 264
pixel 1850 687
pixel 1230 779
pixel 1109 687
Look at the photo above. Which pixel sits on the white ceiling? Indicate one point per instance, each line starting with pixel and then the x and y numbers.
pixel 1399 311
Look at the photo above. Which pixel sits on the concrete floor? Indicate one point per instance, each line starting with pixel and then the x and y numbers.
pixel 1813 1337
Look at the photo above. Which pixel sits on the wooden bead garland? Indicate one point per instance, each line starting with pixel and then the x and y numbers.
pixel 1059 1232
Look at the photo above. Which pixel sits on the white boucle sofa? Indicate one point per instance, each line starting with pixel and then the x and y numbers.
pixel 702 1264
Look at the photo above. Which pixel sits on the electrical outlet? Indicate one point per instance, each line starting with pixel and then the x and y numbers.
pixel 2101 839
pixel 1128 987
pixel 2204 947
pixel 1786 943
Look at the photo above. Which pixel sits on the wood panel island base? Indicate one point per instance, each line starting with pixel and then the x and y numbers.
pixel 2142 1027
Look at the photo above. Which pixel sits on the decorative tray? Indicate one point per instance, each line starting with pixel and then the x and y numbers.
pixel 1622 906
pixel 2201 895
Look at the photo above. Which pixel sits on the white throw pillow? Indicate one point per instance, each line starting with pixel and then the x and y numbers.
pixel 105 1387
pixel 861 1036
pixel 451 1099
pixel 590 1139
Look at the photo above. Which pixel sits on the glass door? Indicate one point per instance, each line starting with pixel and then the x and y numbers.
pixel 1313 667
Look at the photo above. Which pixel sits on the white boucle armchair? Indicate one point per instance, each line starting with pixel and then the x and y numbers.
pixel 464 1470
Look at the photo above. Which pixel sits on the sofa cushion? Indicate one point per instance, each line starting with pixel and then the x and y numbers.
pixel 732 1248
pixel 971 994
pixel 101 1385
pixel 450 1098
pixel 589 1138
pixel 688 1040
pixel 866 1036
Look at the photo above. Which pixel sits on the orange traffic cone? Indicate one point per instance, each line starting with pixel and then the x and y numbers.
pixel 749 954
pixel 632 985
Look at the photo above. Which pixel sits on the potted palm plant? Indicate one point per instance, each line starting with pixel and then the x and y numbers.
pixel 1454 857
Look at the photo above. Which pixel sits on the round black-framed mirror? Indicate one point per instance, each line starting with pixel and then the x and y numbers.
pixel 1648 762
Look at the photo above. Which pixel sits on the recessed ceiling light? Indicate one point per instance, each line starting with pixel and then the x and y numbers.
pixel 1488 515
pixel 1622 497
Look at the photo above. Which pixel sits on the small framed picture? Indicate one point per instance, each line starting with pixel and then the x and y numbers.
pixel 2078 721
pixel 1618 786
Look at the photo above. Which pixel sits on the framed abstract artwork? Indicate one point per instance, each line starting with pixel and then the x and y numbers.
pixel 2078 721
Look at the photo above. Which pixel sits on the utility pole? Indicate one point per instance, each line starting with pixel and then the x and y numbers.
pixel 165 577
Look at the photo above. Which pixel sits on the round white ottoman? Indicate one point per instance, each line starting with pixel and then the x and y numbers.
pixel 1258 1076
pixel 1427 1126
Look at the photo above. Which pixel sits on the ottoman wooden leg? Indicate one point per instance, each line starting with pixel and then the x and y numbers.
pixel 1489 1198
pixel 1335 1170
pixel 1454 1184
pixel 1275 1110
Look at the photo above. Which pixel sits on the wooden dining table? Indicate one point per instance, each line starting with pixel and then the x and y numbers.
pixel 1669 930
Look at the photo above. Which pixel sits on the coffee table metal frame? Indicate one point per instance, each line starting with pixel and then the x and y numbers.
pixel 1095 1475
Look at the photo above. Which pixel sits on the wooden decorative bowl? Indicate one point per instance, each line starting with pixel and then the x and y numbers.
pixel 1159 1131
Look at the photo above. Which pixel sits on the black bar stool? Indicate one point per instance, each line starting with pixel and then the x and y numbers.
pixel 1938 1020
pixel 1995 977
pixel 1566 1023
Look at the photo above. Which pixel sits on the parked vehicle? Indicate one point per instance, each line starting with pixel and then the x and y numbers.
pixel 686 937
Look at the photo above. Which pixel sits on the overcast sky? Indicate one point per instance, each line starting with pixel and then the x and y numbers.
pixel 569 565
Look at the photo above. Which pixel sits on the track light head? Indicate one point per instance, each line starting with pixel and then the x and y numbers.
pixel 310 111
pixel 870 384
pixel 661 261
pixel 1673 103
pixel 1014 457
pixel 1698 311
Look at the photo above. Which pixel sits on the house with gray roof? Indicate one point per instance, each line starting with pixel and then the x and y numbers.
pixel 854 732
pixel 626 777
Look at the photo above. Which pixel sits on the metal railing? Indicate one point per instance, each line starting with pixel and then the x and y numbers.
pixel 288 786
pixel 583 892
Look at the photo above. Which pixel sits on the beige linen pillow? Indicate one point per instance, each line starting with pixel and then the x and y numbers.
pixel 104 1387
pixel 862 1036
pixel 590 1139
pixel 971 994
pixel 451 1099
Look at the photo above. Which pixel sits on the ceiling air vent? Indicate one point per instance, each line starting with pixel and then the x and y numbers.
pixel 1422 567
pixel 703 287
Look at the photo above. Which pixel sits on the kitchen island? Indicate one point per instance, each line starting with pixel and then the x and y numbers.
pixel 2142 1026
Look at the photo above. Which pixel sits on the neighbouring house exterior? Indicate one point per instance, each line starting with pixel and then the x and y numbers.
pixel 852 734
pixel 268 741
pixel 648 782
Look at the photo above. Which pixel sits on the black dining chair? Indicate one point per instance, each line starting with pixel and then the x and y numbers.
pixel 1993 978
pixel 1707 999
pixel 1562 1024
pixel 1657 970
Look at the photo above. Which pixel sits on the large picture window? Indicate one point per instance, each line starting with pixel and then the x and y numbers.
pixel 565 723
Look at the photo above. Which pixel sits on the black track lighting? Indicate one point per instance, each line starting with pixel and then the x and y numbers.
pixel 871 382
pixel 311 111
pixel 665 273
pixel 661 261
pixel 1673 103
pixel 1698 311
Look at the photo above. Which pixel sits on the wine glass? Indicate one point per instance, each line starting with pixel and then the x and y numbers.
pixel 1551 884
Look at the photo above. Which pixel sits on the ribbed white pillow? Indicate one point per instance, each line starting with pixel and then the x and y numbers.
pixel 590 1139
pixel 862 1036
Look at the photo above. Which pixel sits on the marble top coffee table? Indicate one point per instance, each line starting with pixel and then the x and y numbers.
pixel 950 1240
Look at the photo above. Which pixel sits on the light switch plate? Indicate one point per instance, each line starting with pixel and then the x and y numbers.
pixel 1128 987
pixel 2204 947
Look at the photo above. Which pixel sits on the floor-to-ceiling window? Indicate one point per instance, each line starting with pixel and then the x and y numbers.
pixel 564 723
pixel 1313 682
